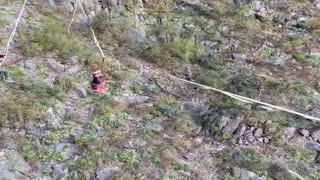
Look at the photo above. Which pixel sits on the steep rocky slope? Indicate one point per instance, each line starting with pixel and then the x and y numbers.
pixel 52 126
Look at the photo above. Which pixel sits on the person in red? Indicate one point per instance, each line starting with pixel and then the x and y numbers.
pixel 4 71
pixel 97 83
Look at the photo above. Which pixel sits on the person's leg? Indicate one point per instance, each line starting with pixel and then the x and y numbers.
pixel 5 73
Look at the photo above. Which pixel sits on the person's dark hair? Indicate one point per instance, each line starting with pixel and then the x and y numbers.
pixel 2 55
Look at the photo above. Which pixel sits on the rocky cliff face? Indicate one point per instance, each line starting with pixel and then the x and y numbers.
pixel 147 126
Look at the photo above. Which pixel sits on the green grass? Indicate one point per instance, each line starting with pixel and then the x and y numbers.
pixel 128 157
pixel 3 2
pixel 85 101
pixel 17 105
pixel 300 154
pixel 172 55
pixel 113 90
pixel 265 52
pixel 42 70
pixel 87 161
pixel 297 41
pixel 85 141
pixel 313 60
pixel 66 83
pixel 17 72
pixel 145 127
pixel 181 167
pixel 227 177
pixel 167 176
pixel 52 37
pixel 31 153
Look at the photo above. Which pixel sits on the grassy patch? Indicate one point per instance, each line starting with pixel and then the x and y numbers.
pixel 66 83
pixel 265 52
pixel 17 72
pixel 128 157
pixel 31 153
pixel 313 60
pixel 85 141
pixel 35 100
pixel 296 41
pixel 172 54
pixel 181 167
pixel 51 36
pixel 145 127
pixel 87 161
pixel 42 70
pixel 300 154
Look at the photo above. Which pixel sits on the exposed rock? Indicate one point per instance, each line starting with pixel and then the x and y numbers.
pixel 316 135
pixel 7 175
pixel 313 146
pixel 317 160
pixel 17 163
pixel 35 129
pixel 260 140
pixel 258 132
pixel 197 141
pixel 69 151
pixel 258 5
pixel 243 174
pixel 67 109
pixel 239 57
pixel 51 118
pixel 222 122
pixel 59 171
pixel 304 132
pixel 156 127
pixel 232 125
pixel 106 173
pixel 30 65
pixel 280 171
pixel 82 92
pixel 55 66
pixel 289 132
pixel 130 98
pixel 240 131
